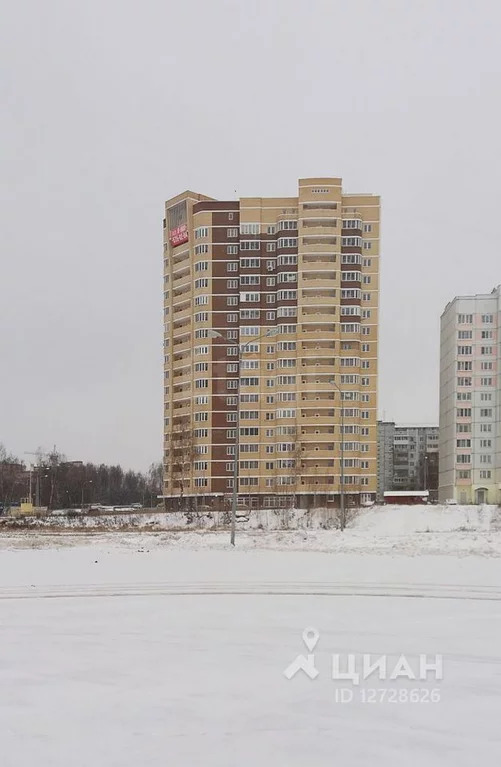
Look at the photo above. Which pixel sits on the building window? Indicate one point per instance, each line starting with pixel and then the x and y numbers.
pixel 287 242
pixel 249 263
pixel 249 228
pixel 232 266
pixel 232 250
pixel 233 232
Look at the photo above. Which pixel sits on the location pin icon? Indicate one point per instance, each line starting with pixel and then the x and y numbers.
pixel 310 637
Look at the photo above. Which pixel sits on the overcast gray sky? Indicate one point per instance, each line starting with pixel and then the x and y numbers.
pixel 110 107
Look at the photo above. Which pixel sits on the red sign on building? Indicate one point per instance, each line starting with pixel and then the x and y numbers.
pixel 178 227
pixel 178 235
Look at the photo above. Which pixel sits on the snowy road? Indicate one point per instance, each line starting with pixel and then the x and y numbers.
pixel 119 653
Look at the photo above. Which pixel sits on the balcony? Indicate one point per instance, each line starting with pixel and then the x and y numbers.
pixel 318 239
pixel 317 245
pixel 312 346
pixel 181 327
pixel 325 259
pixel 317 278
pixel 318 297
pixel 182 345
pixel 317 314
pixel 314 433
pixel 314 228
pixel 317 365
pixel 324 397
pixel 310 416
pixel 181 378
pixel 316 382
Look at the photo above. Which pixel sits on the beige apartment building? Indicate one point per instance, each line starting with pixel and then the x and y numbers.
pixel 271 321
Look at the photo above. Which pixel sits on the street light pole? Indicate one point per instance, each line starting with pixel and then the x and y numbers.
pixel 241 349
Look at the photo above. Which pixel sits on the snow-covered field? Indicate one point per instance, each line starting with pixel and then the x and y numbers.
pixel 159 649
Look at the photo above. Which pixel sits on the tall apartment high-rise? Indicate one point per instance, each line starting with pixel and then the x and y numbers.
pixel 470 399
pixel 293 281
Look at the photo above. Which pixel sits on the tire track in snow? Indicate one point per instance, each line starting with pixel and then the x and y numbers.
pixel 267 588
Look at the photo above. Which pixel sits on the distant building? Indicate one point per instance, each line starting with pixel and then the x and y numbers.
pixel 470 399
pixel 407 458
pixel 385 439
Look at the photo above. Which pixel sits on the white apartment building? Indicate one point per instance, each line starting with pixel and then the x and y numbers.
pixel 470 399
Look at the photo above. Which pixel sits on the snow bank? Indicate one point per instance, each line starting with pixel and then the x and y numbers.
pixel 410 531
pixel 379 520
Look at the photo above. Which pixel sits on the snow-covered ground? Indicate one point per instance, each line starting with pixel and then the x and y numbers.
pixel 168 648
pixel 457 530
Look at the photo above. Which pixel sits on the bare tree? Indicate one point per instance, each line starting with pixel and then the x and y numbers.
pixel 182 455
pixel 154 482
pixel 11 476
pixel 343 517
